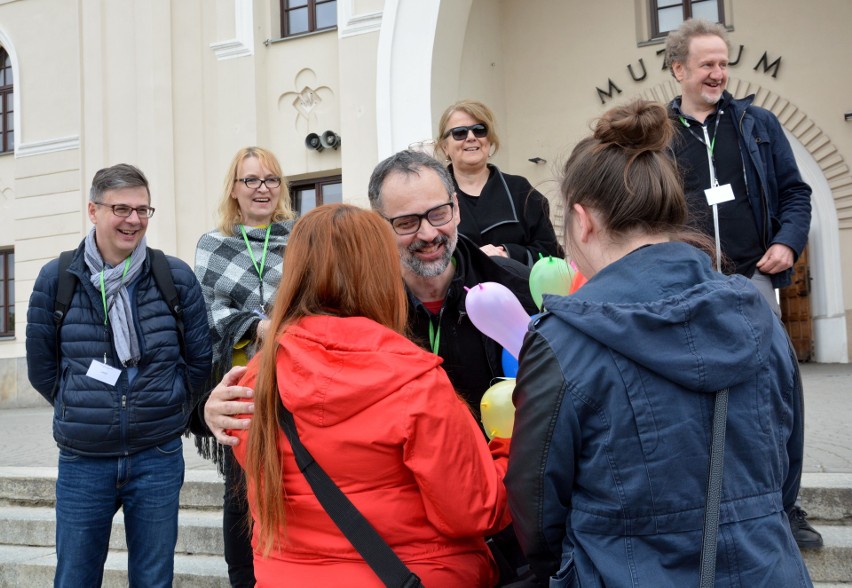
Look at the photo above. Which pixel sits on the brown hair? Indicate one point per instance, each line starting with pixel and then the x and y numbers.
pixel 623 172
pixel 677 41
pixel 478 111
pixel 229 209
pixel 341 260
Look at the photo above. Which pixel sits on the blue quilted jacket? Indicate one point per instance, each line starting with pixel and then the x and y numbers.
pixel 91 417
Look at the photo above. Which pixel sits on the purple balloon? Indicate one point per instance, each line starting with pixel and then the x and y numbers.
pixel 498 313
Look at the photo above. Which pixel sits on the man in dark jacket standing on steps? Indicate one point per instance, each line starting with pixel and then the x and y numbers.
pixel 120 386
pixel 736 153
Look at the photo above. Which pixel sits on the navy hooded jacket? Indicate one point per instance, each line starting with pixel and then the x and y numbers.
pixel 610 452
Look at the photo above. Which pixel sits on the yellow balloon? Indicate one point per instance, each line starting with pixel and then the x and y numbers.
pixel 497 410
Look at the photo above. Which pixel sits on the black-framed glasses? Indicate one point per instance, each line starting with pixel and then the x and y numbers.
pixel 460 133
pixel 124 211
pixel 408 224
pixel 254 183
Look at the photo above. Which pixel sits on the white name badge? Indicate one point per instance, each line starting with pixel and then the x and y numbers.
pixel 719 194
pixel 103 372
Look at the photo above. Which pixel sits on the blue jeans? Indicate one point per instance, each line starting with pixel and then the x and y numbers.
pixel 90 490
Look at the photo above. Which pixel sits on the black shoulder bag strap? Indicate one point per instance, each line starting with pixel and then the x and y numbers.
pixel 707 577
pixel 375 551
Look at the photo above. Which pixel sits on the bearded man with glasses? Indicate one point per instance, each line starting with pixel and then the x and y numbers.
pixel 120 378
pixel 415 194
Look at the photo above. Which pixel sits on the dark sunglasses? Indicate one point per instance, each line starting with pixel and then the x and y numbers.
pixel 460 133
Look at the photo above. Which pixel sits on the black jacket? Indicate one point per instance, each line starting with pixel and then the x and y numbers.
pixel 471 359
pixel 511 213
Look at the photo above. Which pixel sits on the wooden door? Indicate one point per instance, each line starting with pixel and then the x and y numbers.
pixel 796 309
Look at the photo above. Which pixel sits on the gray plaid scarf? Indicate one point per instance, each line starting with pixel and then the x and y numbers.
pixel 120 313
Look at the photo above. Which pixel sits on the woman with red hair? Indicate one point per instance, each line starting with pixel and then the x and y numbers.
pixel 377 413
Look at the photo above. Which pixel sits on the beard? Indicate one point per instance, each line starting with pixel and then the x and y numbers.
pixel 709 99
pixel 429 269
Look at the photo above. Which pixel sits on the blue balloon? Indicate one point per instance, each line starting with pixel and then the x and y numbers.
pixel 510 365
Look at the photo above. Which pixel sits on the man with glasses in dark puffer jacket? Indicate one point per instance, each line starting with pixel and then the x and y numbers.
pixel 121 387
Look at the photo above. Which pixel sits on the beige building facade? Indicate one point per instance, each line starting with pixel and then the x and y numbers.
pixel 177 86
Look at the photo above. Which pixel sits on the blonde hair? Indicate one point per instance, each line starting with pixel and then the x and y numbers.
pixel 341 260
pixel 229 209
pixel 476 110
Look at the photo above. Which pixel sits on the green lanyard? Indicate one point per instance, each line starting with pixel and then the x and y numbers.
pixel 258 268
pixel 435 338
pixel 103 289
pixel 694 134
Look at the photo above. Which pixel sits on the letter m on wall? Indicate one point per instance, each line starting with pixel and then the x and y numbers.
pixel 608 92
pixel 764 61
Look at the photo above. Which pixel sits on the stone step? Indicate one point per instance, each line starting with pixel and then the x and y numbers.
pixel 832 563
pixel 827 497
pixel 27 523
pixel 202 489
pixel 33 567
pixel 199 531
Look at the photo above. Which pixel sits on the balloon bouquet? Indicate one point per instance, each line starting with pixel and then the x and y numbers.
pixel 498 314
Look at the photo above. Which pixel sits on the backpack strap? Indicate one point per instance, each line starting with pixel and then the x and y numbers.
pixel 65 288
pixel 64 293
pixel 163 277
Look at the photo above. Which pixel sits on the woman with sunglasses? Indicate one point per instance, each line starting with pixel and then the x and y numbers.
pixel 239 266
pixel 503 214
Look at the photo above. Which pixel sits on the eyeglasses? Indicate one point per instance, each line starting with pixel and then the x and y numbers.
pixel 254 183
pixel 409 224
pixel 460 133
pixel 125 211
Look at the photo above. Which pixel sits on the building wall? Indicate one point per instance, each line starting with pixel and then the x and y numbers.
pixel 541 63
pixel 177 86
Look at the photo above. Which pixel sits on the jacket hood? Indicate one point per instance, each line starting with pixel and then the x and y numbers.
pixel 659 307
pixel 332 368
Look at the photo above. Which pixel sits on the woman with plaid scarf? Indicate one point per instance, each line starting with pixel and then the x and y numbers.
pixel 239 266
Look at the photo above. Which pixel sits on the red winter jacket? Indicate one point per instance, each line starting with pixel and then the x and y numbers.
pixel 382 419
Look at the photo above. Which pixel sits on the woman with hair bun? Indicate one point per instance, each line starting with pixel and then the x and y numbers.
pixel 616 386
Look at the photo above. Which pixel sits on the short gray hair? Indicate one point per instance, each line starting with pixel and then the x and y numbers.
pixel 122 175
pixel 677 41
pixel 407 163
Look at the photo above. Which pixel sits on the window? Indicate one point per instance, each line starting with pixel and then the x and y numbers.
pixel 7 292
pixel 307 16
pixel 7 100
pixel 666 15
pixel 312 193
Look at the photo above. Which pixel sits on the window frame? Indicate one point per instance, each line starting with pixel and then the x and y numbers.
pixel 7 95
pixel 687 13
pixel 7 283
pixel 311 6
pixel 317 184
